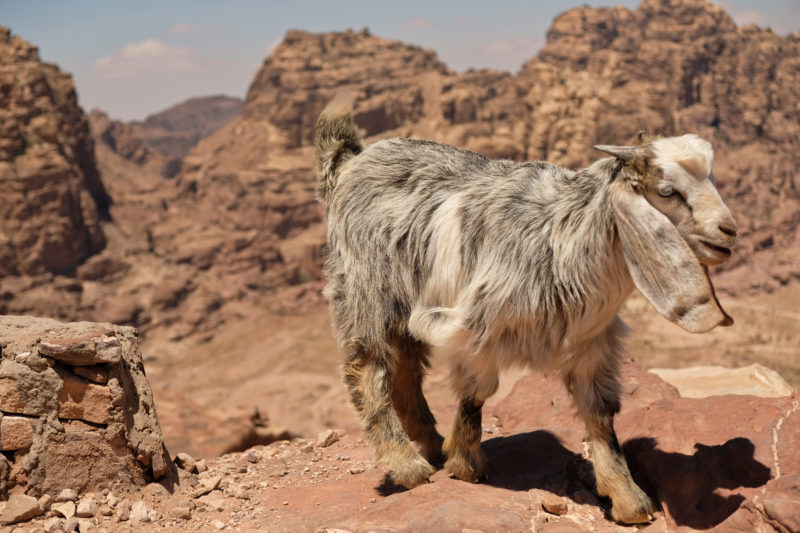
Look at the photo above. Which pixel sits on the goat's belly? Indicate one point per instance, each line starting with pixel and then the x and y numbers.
pixel 503 346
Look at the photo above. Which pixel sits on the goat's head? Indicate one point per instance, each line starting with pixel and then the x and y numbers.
pixel 673 225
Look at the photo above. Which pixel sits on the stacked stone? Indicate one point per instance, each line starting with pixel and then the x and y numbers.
pixel 76 410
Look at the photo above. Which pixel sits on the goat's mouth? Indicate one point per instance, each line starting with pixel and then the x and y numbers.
pixel 718 249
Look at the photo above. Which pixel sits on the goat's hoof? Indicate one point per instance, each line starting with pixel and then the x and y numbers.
pixel 468 468
pixel 412 473
pixel 636 509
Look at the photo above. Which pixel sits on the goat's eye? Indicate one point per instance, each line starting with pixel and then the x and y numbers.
pixel 666 192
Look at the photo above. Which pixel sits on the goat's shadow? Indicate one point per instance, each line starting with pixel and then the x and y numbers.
pixel 685 484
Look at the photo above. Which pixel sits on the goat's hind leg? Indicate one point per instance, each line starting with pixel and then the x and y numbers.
pixel 593 380
pixel 409 402
pixel 465 459
pixel 369 380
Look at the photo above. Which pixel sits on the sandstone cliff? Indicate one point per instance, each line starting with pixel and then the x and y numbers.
pixel 160 142
pixel 52 199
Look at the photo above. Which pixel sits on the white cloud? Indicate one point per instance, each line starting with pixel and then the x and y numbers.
pixel 419 22
pixel 150 55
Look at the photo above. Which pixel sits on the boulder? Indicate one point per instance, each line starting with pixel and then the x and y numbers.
pixel 69 433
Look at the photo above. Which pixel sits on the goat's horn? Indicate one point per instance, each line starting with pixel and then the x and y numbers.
pixel 626 153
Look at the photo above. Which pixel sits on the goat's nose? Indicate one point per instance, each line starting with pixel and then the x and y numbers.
pixel 728 229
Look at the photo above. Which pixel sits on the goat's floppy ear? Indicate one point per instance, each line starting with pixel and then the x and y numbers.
pixel 663 266
pixel 626 153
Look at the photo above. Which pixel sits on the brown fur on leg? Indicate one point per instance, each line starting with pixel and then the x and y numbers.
pixel 630 505
pixel 368 379
pixel 410 403
pixel 465 459
pixel 593 381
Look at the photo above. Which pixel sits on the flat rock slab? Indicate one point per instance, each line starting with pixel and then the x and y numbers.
pixel 731 463
pixel 703 381
pixel 76 343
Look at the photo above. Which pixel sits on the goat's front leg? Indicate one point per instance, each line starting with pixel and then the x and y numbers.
pixel 593 380
pixel 465 459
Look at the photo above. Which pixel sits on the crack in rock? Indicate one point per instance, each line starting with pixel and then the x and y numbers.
pixel 775 430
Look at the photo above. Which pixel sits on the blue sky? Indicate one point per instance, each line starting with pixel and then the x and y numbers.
pixel 135 58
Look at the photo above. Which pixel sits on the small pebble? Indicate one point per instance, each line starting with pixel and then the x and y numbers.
pixel 123 510
pixel 554 504
pixel 45 501
pixel 65 509
pixel 67 495
pixel 87 508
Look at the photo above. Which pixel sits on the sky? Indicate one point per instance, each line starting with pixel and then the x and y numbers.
pixel 133 58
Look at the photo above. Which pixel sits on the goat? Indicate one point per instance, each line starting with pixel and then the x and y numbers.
pixel 492 263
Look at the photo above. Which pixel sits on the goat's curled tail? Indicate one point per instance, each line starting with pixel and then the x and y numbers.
pixel 337 141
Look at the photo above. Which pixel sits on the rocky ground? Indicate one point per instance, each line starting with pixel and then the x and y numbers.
pixel 725 462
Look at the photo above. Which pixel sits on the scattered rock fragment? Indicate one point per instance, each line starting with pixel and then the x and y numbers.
pixel 67 495
pixel 44 502
pixel 65 509
pixel 328 437
pixel 181 513
pixel 123 510
pixel 554 504
pixel 218 524
pixel 186 462
pixel 19 507
pixel 112 500
pixel 214 501
pixel 71 524
pixel 206 485
pixel 87 508
pixel 53 525
pixel 139 512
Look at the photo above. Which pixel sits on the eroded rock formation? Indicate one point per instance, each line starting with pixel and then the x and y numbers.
pixel 52 199
pixel 76 410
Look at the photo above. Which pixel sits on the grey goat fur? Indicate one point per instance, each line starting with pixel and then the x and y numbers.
pixel 438 250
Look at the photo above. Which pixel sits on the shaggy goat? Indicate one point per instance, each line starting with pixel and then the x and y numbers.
pixel 435 249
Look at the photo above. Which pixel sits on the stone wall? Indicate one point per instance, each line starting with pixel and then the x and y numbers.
pixel 76 410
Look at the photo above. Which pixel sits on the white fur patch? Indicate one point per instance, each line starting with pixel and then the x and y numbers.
pixel 444 254
pixel 433 320
pixel 690 152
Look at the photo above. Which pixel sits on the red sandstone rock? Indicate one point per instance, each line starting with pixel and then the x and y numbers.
pixel 16 432
pixel 708 462
pixel 52 200
pixel 80 435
